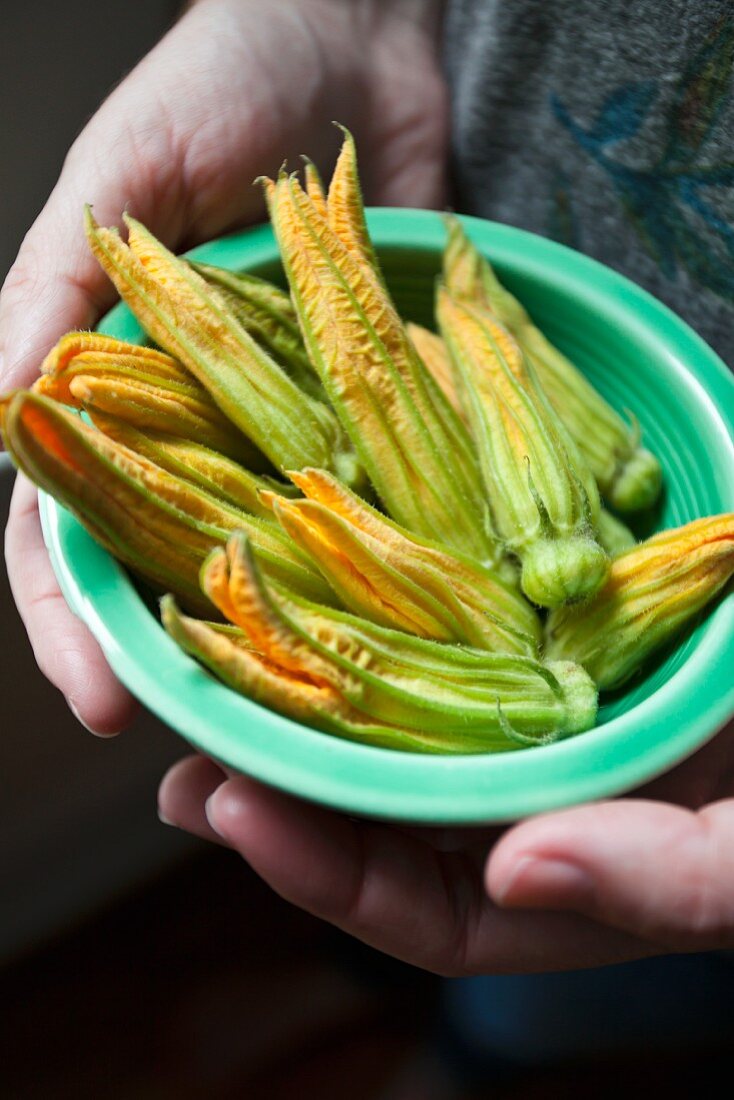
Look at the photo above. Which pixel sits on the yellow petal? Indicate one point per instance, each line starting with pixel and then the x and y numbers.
pixel 94 344
pixel 314 186
pixel 432 351
pixel 652 591
pixel 416 451
pixel 383 571
pixel 345 209
pixel 185 315
pixel 544 500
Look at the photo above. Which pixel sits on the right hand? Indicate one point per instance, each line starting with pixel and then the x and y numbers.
pixel 648 874
pixel 230 91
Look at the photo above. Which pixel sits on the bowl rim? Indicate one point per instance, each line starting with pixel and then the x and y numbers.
pixel 361 779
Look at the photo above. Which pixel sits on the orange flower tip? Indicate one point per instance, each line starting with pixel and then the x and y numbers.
pixel 559 571
pixel 213 558
pixel 174 621
pixel 300 478
pixel 449 219
pixel 269 187
pixel 92 227
pixel 169 610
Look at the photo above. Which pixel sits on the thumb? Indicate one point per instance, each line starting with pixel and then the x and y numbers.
pixel 54 285
pixel 658 871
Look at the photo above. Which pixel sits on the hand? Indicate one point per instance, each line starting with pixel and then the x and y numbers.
pixel 235 87
pixel 588 886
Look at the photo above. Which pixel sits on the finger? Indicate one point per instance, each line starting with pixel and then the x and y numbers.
pixel 408 121
pixel 396 893
pixel 66 652
pixel 183 793
pixel 55 284
pixel 656 871
pixel 51 289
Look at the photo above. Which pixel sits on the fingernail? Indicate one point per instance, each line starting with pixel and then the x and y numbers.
pixel 546 883
pixel 80 720
pixel 210 809
pixel 220 806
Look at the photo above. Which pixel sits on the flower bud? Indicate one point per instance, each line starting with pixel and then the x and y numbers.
pixel 651 592
pixel 628 475
pixel 392 577
pixel 187 317
pixel 443 698
pixel 543 499
pixel 147 389
pixel 161 526
pixel 414 448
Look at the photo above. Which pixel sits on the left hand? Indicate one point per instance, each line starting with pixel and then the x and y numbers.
pixel 596 884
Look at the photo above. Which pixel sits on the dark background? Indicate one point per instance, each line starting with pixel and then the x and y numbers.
pixel 58 61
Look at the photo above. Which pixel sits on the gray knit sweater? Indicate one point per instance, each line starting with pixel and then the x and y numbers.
pixel 610 127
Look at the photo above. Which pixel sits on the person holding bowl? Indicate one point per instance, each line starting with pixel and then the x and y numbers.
pixel 561 122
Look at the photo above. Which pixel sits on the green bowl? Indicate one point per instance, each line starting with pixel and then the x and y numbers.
pixel 642 358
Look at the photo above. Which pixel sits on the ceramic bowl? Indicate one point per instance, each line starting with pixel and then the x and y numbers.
pixel 642 358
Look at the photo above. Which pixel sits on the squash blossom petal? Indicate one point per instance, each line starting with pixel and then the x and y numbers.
pixel 243 669
pixel 149 391
pixel 266 312
pixel 295 696
pixel 414 448
pixel 652 591
pixel 544 501
pixel 453 698
pixel 98 347
pixel 161 526
pixel 434 354
pixel 344 205
pixel 201 466
pixel 629 476
pixel 187 317
pixel 383 572
pixel 314 185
